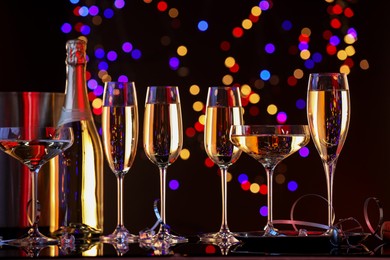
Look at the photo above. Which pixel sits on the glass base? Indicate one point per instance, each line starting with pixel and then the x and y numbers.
pixel 81 232
pixel 226 237
pixel 33 238
pixel 120 236
pixel 270 231
pixel 161 242
pixel 224 240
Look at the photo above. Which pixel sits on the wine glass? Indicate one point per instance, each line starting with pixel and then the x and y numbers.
pixel 162 142
pixel 34 146
pixel 120 138
pixel 328 114
pixel 223 109
pixel 269 145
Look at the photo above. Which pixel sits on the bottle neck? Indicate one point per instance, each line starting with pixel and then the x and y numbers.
pixel 76 104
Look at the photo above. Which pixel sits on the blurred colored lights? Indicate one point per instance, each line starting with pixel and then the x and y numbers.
pixel 286 25
pixel 185 154
pixel 264 5
pixel 173 184
pixel 265 75
pixel 281 117
pixel 300 103
pixel 174 63
pixel 269 48
pixel 203 26
pixel 112 55
pixel 263 211
pixel 304 152
pixel 242 178
pixel 162 6
pixel 127 47
pixel 66 28
pixel 237 32
pixel 292 185
pixel 108 13
pixel 119 4
pixel 136 54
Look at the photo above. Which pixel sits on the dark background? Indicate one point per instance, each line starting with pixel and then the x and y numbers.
pixel 32 49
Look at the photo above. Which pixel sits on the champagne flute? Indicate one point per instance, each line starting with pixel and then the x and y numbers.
pixel 223 109
pixel 328 113
pixel 34 146
pixel 269 145
pixel 120 138
pixel 162 142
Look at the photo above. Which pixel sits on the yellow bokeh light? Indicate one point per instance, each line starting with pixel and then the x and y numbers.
pixel 349 39
pixel 229 177
pixel 306 31
pixel 246 24
pixel 254 188
pixel 256 11
pixel 229 62
pixel 245 90
pixel 173 13
pixel 345 69
pixel 298 73
pixel 185 154
pixel 254 98
pixel 364 65
pixel 280 178
pixel 106 78
pixel 202 119
pixel 194 90
pixel 272 109
pixel 305 54
pixel 182 50
pixel 350 50
pixel 342 55
pixel 227 79
pixel 197 106
pixel 97 103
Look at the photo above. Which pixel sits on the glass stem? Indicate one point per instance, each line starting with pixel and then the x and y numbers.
pixel 119 180
pixel 163 173
pixel 329 171
pixel 34 198
pixel 224 225
pixel 270 173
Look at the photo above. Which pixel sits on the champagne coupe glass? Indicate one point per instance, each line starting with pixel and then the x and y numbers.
pixel 269 145
pixel 328 113
pixel 120 138
pixel 223 109
pixel 34 146
pixel 163 141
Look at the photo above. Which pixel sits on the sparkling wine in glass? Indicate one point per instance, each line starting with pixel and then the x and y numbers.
pixel 223 109
pixel 120 138
pixel 328 113
pixel 34 146
pixel 269 145
pixel 162 142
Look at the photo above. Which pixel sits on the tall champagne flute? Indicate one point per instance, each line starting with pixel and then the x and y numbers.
pixel 34 146
pixel 120 138
pixel 163 141
pixel 269 145
pixel 223 109
pixel 328 113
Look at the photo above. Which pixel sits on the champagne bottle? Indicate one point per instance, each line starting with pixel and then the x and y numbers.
pixel 80 178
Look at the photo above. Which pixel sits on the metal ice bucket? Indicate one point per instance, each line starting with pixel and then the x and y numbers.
pixel 26 109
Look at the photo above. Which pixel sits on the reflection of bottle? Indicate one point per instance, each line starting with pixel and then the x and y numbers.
pixel 80 177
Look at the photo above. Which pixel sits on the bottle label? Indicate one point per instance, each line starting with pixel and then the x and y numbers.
pixel 72 115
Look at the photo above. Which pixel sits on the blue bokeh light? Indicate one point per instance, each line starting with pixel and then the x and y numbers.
pixel 286 25
pixel 174 184
pixel 265 75
pixel 263 211
pixel 292 185
pixel 203 26
pixel 242 178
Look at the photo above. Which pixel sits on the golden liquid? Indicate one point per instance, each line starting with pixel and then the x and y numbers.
pixel 80 181
pixel 163 134
pixel 329 116
pixel 270 149
pixel 120 137
pixel 216 139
